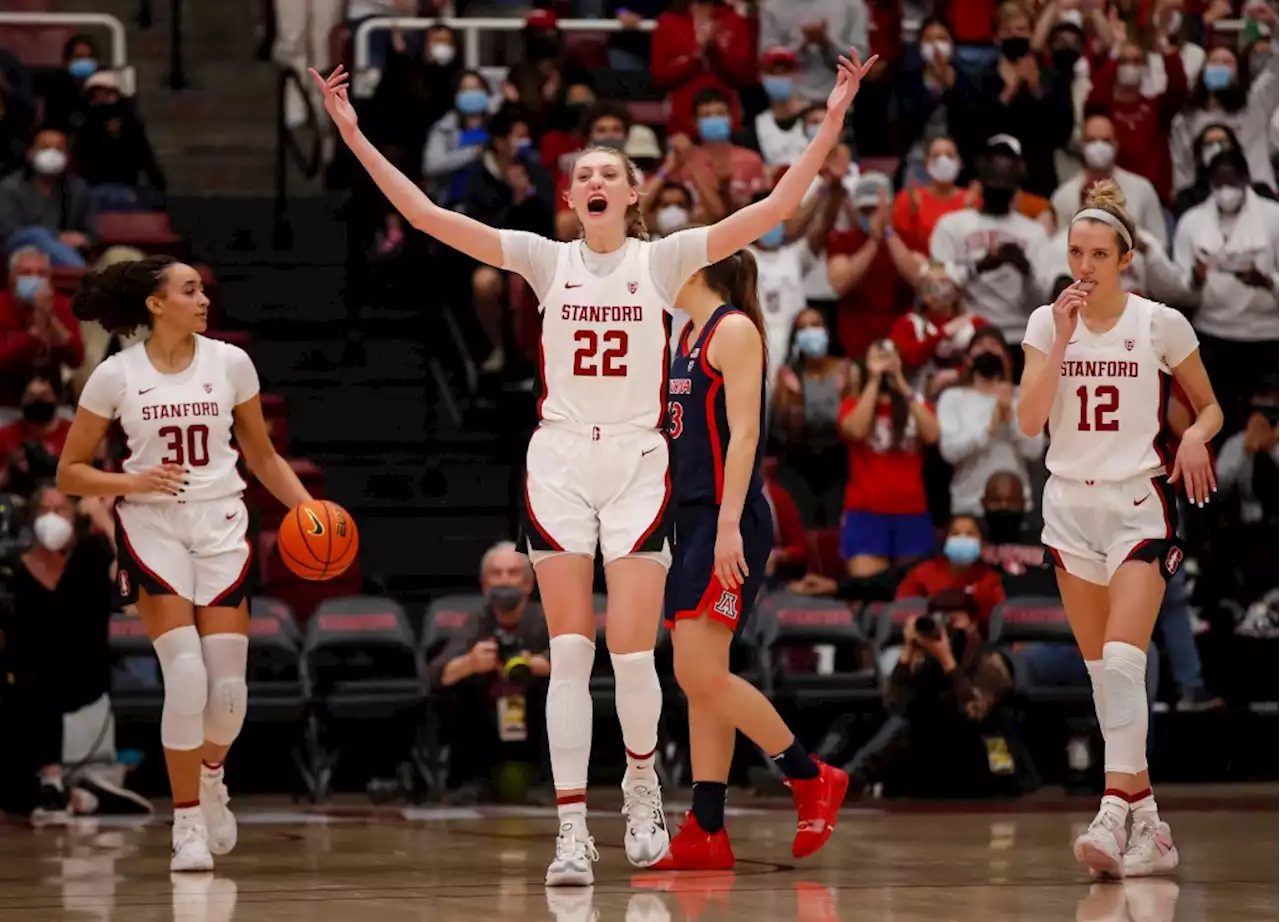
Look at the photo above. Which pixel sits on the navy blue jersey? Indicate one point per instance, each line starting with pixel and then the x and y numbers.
pixel 699 423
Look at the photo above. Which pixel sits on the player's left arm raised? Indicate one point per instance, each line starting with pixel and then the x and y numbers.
pixel 748 225
pixel 261 457
pixel 736 349
pixel 1193 463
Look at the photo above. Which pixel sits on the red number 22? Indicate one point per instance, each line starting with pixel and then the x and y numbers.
pixel 610 364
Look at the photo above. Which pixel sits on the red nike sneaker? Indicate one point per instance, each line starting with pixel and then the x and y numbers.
pixel 818 803
pixel 694 849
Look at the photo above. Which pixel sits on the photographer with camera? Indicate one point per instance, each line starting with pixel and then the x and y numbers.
pixel 494 677
pixel 946 699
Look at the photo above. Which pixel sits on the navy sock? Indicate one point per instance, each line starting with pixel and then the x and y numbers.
pixel 708 805
pixel 795 763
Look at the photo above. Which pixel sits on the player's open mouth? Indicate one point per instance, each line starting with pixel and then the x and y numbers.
pixel 1087 284
pixel 597 204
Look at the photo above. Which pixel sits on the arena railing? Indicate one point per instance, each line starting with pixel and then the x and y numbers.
pixel 119 50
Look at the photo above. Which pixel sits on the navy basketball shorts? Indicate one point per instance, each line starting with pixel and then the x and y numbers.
pixel 692 586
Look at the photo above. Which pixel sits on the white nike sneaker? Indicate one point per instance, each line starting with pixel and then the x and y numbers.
pixel 218 820
pixel 575 853
pixel 1151 850
pixel 190 848
pixel 1101 847
pixel 647 836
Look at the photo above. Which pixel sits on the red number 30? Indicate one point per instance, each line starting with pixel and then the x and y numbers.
pixel 186 446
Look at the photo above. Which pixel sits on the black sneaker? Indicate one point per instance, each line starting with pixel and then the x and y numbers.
pixel 1199 699
pixel 51 809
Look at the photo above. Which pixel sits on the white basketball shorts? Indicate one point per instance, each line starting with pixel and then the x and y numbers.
pixel 605 486
pixel 1091 527
pixel 197 550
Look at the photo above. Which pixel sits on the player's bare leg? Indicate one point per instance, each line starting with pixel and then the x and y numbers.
pixel 564 582
pixel 225 643
pixel 636 584
pixel 170 622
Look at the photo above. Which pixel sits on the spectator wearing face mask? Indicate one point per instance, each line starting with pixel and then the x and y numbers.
pixel 1228 247
pixel 736 173
pixel 1066 45
pixel 1015 96
pixel 987 250
pixel 926 93
pixel 778 132
pixel 38 332
pixel 806 402
pixel 670 208
pixel 1213 139
pixel 1013 544
pixel 40 422
pixel 959 565
pixel 703 45
pixel 1141 117
pixel 493 676
pixel 507 188
pixel 45 207
pixel 1225 96
pixel 416 90
pixel 819 31
pixel 112 152
pixel 886 516
pixel 918 207
pixel 869 267
pixel 971 24
pixel 458 139
pixel 978 424
pixel 62 91
pixel 536 81
pixel 567 127
pixel 933 338
pixel 1099 147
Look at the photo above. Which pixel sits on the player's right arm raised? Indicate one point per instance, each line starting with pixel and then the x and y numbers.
pixel 479 241
pixel 1042 368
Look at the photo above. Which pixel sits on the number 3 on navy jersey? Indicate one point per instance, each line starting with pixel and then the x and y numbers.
pixel 675 416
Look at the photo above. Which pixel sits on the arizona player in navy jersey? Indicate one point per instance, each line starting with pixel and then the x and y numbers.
pixel 723 536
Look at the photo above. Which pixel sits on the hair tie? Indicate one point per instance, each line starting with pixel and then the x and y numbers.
pixel 1106 217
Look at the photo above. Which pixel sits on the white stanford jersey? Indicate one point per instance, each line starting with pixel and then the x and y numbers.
pixel 605 349
pixel 184 418
pixel 1108 417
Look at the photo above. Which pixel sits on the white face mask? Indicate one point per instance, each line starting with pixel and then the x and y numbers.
pixel 669 218
pixel 1099 155
pixel 1175 22
pixel 49 161
pixel 52 531
pixel 1228 198
pixel 441 53
pixel 943 169
pixel 936 52
pixel 1129 75
pixel 1072 17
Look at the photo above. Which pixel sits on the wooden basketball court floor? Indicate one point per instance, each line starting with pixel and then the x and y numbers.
pixel 907 863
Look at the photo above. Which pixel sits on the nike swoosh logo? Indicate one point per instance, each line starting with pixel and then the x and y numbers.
pixel 230 516
pixel 648 451
pixel 146 390
pixel 579 285
pixel 1139 502
pixel 1073 342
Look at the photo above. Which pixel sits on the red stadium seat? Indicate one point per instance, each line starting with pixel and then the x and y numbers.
pixel 587 49
pixel 67 279
pixel 649 112
pixel 824 552
pixel 271 512
pixel 146 230
pixel 36 45
pixel 303 596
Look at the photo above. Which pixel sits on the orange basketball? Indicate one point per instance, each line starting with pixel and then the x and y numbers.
pixel 318 540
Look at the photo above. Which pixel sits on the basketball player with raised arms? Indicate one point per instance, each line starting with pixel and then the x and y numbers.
pixel 1098 367
pixel 723 537
pixel 598 470
pixel 180 522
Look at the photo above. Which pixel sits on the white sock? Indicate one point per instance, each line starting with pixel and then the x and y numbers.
pixel 1099 696
pixel 573 813
pixel 638 698
pixel 210 775
pixel 1144 809
pixel 569 710
pixel 1124 730
pixel 187 816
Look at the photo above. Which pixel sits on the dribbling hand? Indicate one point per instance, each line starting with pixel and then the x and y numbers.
pixel 1194 466
pixel 730 560
pixel 336 103
pixel 164 478
pixel 1066 311
pixel 849 74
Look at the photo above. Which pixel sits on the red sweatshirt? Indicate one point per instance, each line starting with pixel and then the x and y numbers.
pixel 930 577
pixel 22 354
pixel 788 529
pixel 683 68
pixel 1142 124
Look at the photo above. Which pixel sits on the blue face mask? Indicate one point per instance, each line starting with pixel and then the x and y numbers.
pixel 81 68
pixel 962 550
pixel 772 238
pixel 864 224
pixel 714 129
pixel 523 144
pixel 777 88
pixel 1217 77
pixel 472 102
pixel 27 287
pixel 812 342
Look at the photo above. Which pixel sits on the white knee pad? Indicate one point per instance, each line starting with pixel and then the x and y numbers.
pixel 186 688
pixel 1124 713
pixel 1096 672
pixel 569 710
pixel 638 699
pixel 226 657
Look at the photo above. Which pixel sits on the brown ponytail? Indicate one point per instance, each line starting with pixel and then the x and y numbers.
pixel 735 279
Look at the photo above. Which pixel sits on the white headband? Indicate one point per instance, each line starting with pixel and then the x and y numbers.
pixel 1106 217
